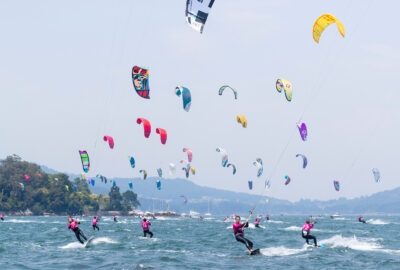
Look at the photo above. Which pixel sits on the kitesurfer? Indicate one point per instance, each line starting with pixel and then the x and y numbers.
pixel 145 226
pixel 267 216
pixel 239 234
pixel 360 219
pixel 305 232
pixel 115 219
pixel 94 223
pixel 2 217
pixel 257 222
pixel 73 225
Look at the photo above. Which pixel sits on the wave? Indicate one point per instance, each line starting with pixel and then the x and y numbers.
pixel 280 251
pixel 101 240
pixel 293 228
pixel 365 244
pixel 72 245
pixel 377 222
pixel 275 221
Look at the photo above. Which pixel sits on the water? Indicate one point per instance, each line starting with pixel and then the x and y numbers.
pixel 183 243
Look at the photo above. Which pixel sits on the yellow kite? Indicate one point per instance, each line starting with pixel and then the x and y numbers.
pixel 323 22
pixel 242 120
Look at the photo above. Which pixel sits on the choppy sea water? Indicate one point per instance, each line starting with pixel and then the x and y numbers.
pixel 184 243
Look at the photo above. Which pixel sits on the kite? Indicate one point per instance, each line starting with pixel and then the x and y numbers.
pixel 163 135
pixel 158 184
pixel 132 161
pixel 267 184
pixel 304 160
pixel 323 22
pixel 26 177
pixel 140 78
pixel 287 180
pixel 159 171
pixel 22 186
pixel 75 187
pixel 377 175
pixel 221 90
pixel 189 153
pixel 303 131
pixel 39 175
pixel 114 183
pixel 185 200
pixel 67 187
pixel 250 185
pixel 197 13
pixel 259 164
pixel 336 184
pixel 146 126
pixel 85 160
pixel 287 87
pixel 224 156
pixel 233 168
pixel 187 170
pixel 83 176
pixel 110 141
pixel 130 185
pixel 172 168
pixel 144 174
pixel 193 170
pixel 241 119
pixel 186 96
pixel 92 182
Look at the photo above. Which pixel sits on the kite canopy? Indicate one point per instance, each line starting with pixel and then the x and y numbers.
pixel 186 96
pixel 377 175
pixel 224 156
pixel 323 22
pixel 110 141
pixel 75 187
pixel 159 172
pixel 132 161
pixel 189 153
pixel 67 187
pixel 185 200
pixel 85 160
pixel 241 119
pixel 336 184
pixel 193 170
pixel 287 180
pixel 286 86
pixel 221 90
pixel 172 168
pixel 197 13
pixel 163 134
pixel 83 176
pixel 92 181
pixel 130 185
pixel 144 174
pixel 260 168
pixel 304 160
pixel 233 168
pixel 250 185
pixel 146 126
pixel 140 78
pixel 267 184
pixel 187 170
pixel 303 131
pixel 158 184
pixel 22 186
pixel 26 177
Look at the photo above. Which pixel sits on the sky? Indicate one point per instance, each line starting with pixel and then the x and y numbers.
pixel 65 74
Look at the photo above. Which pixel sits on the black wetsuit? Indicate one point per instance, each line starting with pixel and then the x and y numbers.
pixel 96 227
pixel 361 220
pixel 145 232
pixel 306 235
pixel 239 235
pixel 78 234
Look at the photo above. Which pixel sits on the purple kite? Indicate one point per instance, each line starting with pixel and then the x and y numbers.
pixel 337 185
pixel 303 131
pixel 287 180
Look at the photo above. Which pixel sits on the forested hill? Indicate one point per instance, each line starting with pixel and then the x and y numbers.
pixel 25 187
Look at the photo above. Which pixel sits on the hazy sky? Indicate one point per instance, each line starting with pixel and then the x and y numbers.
pixel 65 74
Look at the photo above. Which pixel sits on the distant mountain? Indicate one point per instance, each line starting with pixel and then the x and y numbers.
pixel 222 202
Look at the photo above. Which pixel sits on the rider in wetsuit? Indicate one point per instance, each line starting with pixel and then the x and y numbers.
pixel 94 223
pixel 305 232
pixel 257 222
pixel 239 234
pixel 145 226
pixel 115 219
pixel 360 219
pixel 2 217
pixel 73 225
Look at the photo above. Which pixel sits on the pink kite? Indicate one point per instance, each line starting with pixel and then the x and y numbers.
pixel 303 131
pixel 110 141
pixel 146 126
pixel 189 153
pixel 163 134
pixel 26 177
